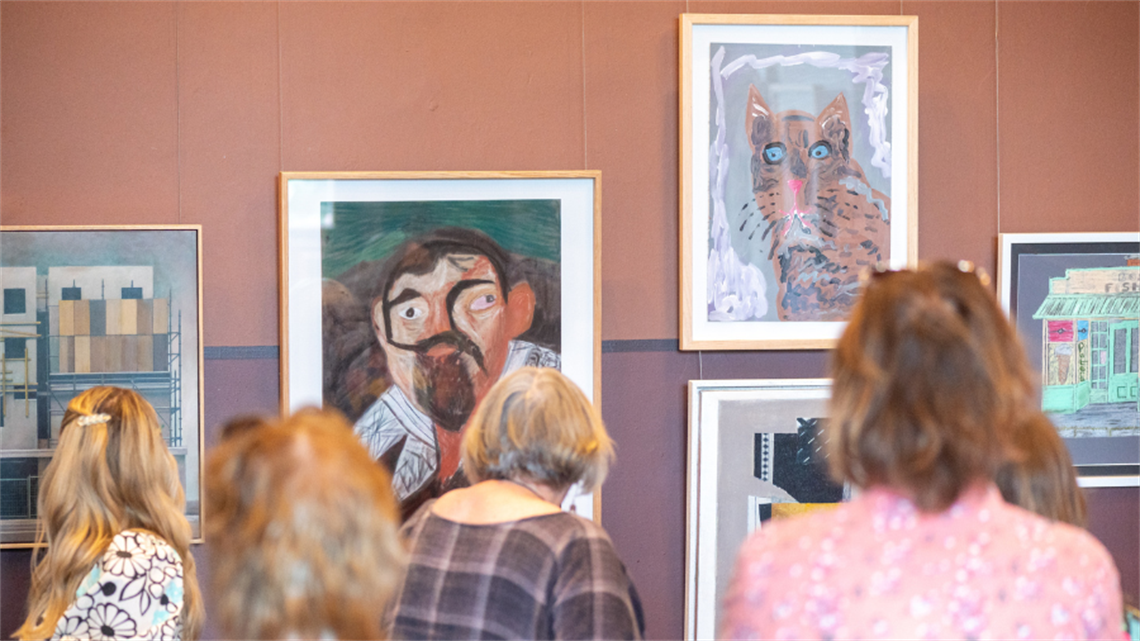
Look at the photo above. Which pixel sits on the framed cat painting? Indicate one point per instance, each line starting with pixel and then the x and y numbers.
pixel 798 172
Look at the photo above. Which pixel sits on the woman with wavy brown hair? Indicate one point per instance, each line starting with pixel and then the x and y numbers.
pixel 930 399
pixel 116 559
pixel 306 528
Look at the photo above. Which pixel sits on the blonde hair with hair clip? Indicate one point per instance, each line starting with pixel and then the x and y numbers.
pixel 111 471
pixel 535 423
pixel 308 526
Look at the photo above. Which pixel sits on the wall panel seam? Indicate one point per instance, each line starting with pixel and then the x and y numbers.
pixel 585 120
pixel 177 111
pixel 997 113
pixel 280 98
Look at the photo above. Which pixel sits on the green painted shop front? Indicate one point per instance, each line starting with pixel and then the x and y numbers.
pixel 1091 339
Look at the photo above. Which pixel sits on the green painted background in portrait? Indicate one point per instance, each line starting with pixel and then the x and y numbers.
pixel 352 232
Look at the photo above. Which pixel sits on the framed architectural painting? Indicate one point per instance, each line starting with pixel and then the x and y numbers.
pixel 405 296
pixel 753 456
pixel 90 306
pixel 1075 299
pixel 798 171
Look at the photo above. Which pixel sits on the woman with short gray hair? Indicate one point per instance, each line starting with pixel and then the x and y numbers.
pixel 500 559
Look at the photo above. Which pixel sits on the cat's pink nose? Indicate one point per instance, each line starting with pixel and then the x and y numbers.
pixel 795 186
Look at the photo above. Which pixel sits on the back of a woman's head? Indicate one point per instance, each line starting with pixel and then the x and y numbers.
pixel 929 383
pixel 306 527
pixel 535 423
pixel 112 474
pixel 110 471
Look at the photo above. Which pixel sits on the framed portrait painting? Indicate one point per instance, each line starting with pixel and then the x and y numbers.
pixel 1075 299
pixel 754 455
pixel 405 296
pixel 798 171
pixel 91 306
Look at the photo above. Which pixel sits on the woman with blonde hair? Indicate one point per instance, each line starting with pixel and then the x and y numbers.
pixel 500 559
pixel 307 530
pixel 930 396
pixel 116 560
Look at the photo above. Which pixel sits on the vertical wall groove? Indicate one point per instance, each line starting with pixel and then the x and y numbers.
pixel 177 8
pixel 585 119
pixel 997 113
pixel 280 97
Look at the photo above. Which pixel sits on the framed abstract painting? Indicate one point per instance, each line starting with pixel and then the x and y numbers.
pixel 1075 299
pixel 753 456
pixel 90 306
pixel 798 171
pixel 406 295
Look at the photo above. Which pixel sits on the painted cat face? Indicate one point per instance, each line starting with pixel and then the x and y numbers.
pixel 822 219
pixel 796 156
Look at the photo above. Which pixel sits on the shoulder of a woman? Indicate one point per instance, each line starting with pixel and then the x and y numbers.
pixel 144 543
pixel 137 536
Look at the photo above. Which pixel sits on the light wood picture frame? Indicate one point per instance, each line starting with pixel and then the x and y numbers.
pixel 798 169
pixel 96 305
pixel 1075 300
pixel 344 241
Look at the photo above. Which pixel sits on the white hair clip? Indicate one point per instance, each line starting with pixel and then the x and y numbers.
pixel 92 419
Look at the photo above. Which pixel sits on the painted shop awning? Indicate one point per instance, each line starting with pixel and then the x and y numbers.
pixel 1089 306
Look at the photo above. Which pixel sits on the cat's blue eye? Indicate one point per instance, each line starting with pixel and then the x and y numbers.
pixel 774 153
pixel 820 150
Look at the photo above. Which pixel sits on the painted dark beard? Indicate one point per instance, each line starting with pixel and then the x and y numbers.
pixel 444 389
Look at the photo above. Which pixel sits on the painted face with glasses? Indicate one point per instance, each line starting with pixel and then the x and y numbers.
pixel 445 322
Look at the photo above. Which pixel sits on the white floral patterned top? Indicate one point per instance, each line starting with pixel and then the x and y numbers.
pixel 134 592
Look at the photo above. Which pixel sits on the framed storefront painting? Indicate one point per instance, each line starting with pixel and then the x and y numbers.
pixel 1075 299
pixel 798 171
pixel 406 295
pixel 96 305
pixel 749 461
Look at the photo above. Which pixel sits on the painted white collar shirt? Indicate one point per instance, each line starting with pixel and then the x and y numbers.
pixel 393 418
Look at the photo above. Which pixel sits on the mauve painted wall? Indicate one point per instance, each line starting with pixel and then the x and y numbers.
pixel 116 112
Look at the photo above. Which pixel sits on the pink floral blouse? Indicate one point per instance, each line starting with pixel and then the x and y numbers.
pixel 879 568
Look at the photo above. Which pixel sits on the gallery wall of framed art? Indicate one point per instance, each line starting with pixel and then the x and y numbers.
pixel 86 306
pixel 186 113
pixel 376 267
pixel 799 169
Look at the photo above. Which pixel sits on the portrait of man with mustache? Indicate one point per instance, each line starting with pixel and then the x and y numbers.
pixel 448 319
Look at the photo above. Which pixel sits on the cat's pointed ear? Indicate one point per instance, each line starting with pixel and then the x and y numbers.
pixel 757 110
pixel 835 123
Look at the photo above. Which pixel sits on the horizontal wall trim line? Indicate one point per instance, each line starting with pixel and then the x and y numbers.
pixel 240 352
pixel 255 352
pixel 641 345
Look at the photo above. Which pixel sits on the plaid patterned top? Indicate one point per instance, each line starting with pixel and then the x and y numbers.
pixel 554 576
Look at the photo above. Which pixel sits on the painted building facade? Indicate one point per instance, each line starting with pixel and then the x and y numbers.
pixel 1090 340
pixel 66 331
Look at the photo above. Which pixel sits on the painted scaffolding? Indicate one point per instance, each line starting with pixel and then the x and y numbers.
pixel 131 342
